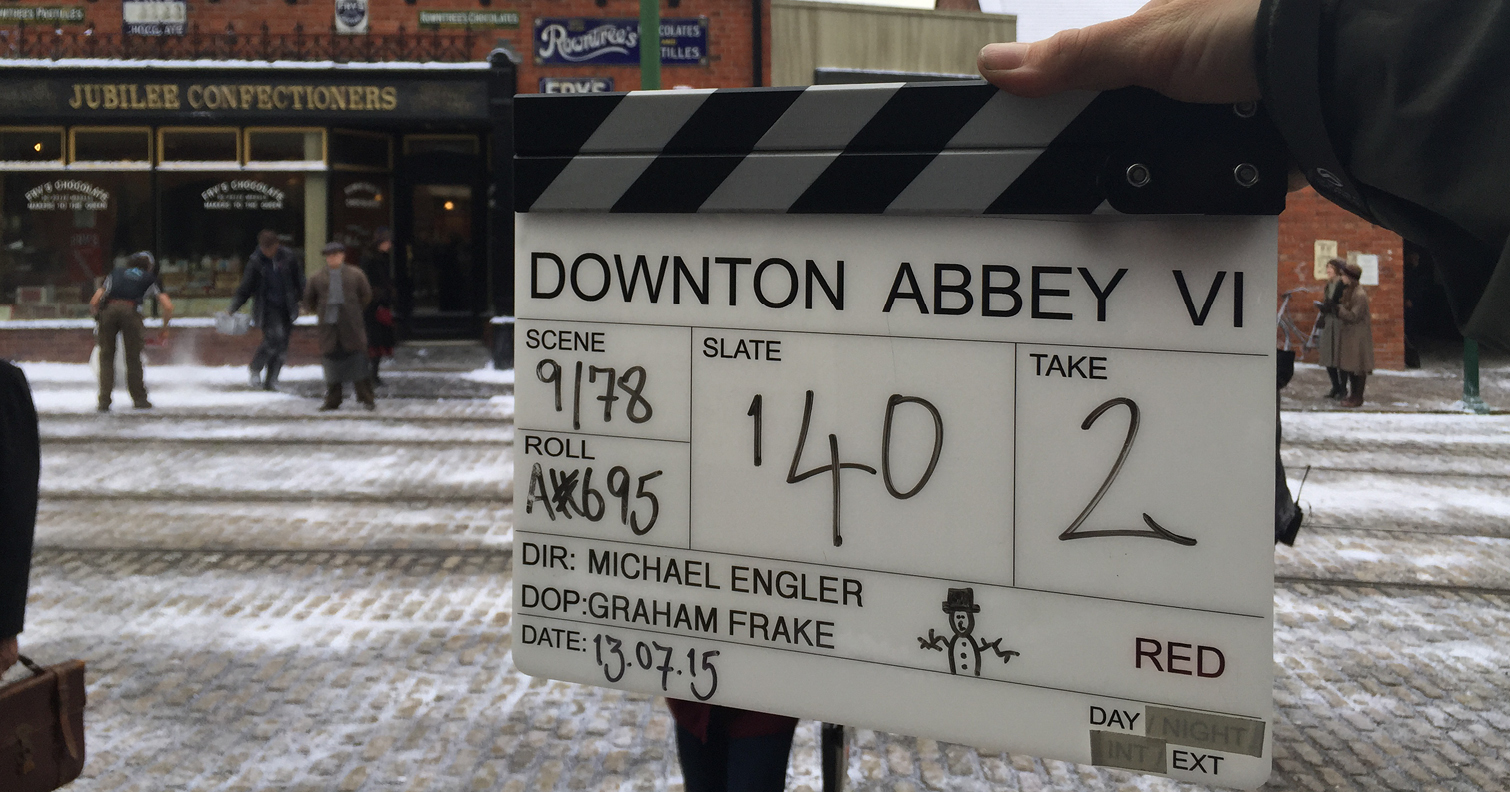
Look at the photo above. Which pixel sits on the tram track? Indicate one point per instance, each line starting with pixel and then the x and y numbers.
pixel 1289 580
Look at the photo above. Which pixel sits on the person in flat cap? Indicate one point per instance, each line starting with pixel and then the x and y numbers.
pixel 337 296
pixel 964 649
pixel 1353 347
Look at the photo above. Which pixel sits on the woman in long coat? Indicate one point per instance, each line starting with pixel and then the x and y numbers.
pixel 377 265
pixel 1330 327
pixel 1355 334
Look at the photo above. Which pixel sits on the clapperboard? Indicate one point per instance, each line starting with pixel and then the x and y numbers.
pixel 922 408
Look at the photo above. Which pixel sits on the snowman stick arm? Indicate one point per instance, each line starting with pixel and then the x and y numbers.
pixel 933 641
pixel 1005 654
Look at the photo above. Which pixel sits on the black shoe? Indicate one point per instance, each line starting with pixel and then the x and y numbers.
pixel 104 408
pixel 142 405
pixel 1339 392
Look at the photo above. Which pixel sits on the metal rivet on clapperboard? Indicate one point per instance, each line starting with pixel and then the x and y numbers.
pixel 1245 174
pixel 1138 175
pixel 1245 109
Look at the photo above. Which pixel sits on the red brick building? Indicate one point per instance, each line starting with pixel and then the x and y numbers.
pixel 731 57
pixel 1309 219
pixel 428 175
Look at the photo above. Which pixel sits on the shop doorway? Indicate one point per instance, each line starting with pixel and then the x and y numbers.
pixel 443 271
pixel 440 248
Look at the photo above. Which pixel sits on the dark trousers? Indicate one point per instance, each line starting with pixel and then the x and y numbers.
pixel 272 353
pixel 725 764
pixel 124 320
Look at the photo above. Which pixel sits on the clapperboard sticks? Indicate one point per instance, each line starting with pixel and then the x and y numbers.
pixel 960 148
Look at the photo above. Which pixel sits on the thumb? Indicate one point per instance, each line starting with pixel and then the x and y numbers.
pixel 1100 57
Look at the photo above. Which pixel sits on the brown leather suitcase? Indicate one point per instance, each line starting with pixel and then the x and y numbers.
pixel 42 728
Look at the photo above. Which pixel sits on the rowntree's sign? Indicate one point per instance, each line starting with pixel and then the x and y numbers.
pixel 568 41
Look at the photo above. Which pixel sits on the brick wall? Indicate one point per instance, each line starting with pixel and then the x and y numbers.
pixel 729 31
pixel 189 345
pixel 1309 217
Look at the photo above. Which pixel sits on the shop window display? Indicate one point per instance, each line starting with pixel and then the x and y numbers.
pixel 112 145
pixel 39 145
pixel 61 232
pixel 210 222
pixel 286 145
pixel 360 204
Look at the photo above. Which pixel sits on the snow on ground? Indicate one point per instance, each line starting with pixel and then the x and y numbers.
pixel 1313 427
pixel 70 387
pixel 157 376
pixel 491 375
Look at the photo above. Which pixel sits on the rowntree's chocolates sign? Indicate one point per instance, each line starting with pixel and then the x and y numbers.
pixel 570 41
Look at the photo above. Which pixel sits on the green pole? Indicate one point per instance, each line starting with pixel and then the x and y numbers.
pixel 650 45
pixel 1471 399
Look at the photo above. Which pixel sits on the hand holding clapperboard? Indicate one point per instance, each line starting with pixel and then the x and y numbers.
pixel 921 408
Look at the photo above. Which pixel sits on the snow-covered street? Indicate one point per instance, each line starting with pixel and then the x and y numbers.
pixel 274 599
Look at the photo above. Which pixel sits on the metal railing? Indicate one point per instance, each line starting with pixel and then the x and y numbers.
pixel 51 43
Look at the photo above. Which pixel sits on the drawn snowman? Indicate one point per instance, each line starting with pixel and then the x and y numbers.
pixel 964 649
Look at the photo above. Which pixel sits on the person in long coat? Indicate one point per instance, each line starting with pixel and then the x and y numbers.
pixel 1330 326
pixel 337 296
pixel 1355 334
pixel 20 469
pixel 274 281
pixel 377 265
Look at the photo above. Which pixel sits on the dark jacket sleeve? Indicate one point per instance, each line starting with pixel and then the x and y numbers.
pixel 251 280
pixel 1397 110
pixel 20 468
pixel 296 266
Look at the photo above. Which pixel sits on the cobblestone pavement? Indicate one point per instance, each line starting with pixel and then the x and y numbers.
pixel 1437 386
pixel 267 622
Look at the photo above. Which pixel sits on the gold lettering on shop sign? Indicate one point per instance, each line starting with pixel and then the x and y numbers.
pixel 165 96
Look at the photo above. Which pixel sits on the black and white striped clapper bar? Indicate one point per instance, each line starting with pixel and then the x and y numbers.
pixel 929 148
pixel 920 408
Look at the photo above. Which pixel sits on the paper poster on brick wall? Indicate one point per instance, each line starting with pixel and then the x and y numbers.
pixel 1326 250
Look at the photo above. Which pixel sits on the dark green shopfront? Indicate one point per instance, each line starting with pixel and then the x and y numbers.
pixel 190 160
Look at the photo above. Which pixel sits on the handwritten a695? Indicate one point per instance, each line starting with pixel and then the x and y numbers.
pixel 857 450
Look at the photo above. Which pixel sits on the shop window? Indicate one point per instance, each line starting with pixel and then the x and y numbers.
pixel 60 233
pixel 189 146
pixel 447 144
pixel 114 146
pixel 210 222
pixel 354 150
pixel 303 146
pixel 360 204
pixel 31 146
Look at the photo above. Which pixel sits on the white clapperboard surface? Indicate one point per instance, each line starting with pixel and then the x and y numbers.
pixel 920 408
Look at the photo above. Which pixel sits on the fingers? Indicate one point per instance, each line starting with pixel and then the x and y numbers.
pixel 1193 50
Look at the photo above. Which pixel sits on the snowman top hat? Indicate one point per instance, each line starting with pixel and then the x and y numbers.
pixel 961 599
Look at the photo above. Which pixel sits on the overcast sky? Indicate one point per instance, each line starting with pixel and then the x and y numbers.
pixel 1039 19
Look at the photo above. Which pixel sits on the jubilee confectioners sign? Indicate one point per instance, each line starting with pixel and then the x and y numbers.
pixel 892 406
pixel 567 41
pixel 168 98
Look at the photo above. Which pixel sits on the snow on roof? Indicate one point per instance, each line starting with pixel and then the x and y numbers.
pixel 205 63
